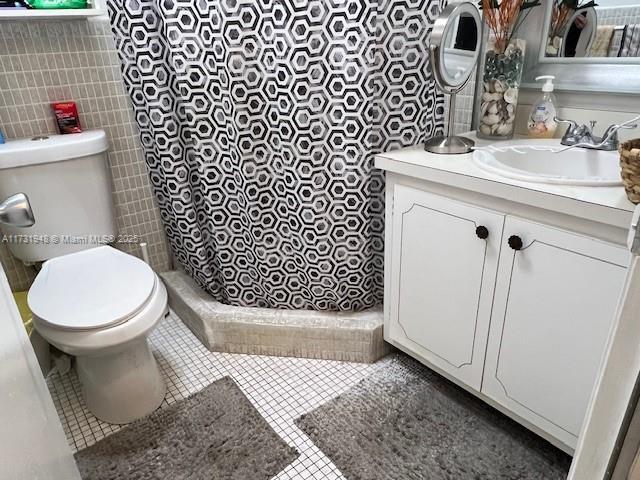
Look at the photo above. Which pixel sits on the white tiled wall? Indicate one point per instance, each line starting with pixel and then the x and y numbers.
pixel 41 62
pixel 464 106
pixel 627 15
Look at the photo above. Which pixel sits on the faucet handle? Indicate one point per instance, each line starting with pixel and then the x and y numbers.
pixel 572 124
pixel 573 129
pixel 592 124
pixel 574 132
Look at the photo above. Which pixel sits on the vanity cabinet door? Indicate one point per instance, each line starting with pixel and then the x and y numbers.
pixel 444 262
pixel 555 302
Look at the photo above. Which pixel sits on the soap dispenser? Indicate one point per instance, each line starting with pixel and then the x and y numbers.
pixel 542 119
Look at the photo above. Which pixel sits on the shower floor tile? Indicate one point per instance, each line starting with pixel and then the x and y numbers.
pixel 280 388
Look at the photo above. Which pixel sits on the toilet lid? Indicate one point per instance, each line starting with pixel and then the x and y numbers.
pixel 91 289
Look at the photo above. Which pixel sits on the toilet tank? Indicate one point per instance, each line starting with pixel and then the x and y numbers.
pixel 68 183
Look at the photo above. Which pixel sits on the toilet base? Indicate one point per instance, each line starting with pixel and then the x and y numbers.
pixel 124 385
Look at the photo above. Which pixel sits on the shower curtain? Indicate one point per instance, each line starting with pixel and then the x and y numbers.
pixel 259 120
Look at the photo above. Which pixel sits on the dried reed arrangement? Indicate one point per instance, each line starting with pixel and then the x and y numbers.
pixel 504 17
pixel 560 15
pixel 562 11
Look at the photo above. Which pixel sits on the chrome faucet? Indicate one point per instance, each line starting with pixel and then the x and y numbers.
pixel 582 135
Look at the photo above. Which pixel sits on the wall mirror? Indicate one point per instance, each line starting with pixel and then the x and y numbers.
pixel 453 50
pixel 594 29
pixel 591 45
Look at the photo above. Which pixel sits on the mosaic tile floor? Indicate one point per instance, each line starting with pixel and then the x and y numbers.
pixel 280 388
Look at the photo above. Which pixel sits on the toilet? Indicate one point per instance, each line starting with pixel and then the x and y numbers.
pixel 89 299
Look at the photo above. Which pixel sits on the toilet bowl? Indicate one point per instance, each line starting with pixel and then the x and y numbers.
pixel 100 305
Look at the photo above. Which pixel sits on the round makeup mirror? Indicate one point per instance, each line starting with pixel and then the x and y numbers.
pixel 453 50
pixel 580 33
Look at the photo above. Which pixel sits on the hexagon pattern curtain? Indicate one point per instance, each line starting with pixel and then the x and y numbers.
pixel 259 121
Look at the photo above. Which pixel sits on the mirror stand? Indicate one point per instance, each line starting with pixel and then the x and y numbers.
pixel 453 51
pixel 449 144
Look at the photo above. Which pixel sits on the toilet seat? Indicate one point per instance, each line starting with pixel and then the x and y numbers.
pixel 120 378
pixel 93 289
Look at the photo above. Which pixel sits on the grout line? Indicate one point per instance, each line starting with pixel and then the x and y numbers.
pixel 280 388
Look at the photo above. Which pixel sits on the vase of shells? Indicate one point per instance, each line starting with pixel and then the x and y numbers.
pixel 503 63
pixel 501 84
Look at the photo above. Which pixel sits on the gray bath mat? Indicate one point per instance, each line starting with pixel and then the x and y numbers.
pixel 215 434
pixel 405 422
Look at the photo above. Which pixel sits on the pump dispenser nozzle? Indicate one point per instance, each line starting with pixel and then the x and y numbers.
pixel 548 84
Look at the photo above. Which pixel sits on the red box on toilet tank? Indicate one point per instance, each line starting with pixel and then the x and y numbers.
pixel 67 117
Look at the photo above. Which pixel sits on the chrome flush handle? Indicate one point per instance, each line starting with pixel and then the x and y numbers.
pixel 16 211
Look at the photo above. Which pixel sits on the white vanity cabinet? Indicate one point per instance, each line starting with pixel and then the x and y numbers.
pixel 516 311
pixel 445 257
pixel 554 305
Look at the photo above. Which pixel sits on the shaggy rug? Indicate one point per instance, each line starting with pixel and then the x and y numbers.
pixel 214 434
pixel 406 422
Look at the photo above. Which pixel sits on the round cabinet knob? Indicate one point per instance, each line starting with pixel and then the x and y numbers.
pixel 482 232
pixel 515 242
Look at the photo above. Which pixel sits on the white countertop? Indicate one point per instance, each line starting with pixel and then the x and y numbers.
pixel 607 205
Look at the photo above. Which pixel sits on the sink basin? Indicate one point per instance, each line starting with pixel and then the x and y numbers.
pixel 535 161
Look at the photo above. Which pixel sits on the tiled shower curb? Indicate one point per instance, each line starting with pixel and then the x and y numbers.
pixel 345 336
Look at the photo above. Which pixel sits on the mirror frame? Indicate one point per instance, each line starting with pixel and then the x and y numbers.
pixel 590 10
pixel 437 48
pixel 590 76
pixel 451 144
